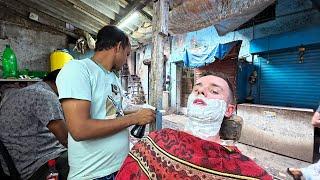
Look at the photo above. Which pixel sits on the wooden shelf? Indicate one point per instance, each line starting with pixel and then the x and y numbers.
pixel 20 80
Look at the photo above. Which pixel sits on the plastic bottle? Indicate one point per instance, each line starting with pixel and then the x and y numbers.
pixel 9 63
pixel 138 131
pixel 53 173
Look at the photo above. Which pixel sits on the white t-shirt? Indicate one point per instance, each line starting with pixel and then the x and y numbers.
pixel 87 80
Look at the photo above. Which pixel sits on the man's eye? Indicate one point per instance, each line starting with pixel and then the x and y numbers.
pixel 213 92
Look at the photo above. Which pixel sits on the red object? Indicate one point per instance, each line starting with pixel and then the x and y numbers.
pixel 171 154
pixel 53 173
pixel 52 163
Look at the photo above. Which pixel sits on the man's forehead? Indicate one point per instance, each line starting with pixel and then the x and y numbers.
pixel 210 79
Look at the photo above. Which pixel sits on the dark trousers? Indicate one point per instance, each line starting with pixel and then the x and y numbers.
pixel 109 177
pixel 62 167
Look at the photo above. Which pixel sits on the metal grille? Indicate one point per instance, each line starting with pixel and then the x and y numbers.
pixel 284 81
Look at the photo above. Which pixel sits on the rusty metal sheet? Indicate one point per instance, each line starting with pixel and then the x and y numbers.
pixel 286 131
pixel 226 15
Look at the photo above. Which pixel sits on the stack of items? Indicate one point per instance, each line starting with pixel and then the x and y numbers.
pixel 124 74
pixel 135 90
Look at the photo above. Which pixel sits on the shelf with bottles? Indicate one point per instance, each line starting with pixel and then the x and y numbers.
pixel 20 80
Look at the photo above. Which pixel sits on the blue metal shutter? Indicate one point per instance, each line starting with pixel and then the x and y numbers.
pixel 286 82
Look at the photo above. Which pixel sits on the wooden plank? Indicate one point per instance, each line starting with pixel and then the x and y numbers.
pixel 67 14
pixel 122 3
pixel 23 10
pixel 58 15
pixel 74 13
pixel 160 31
pixel 131 8
pixel 107 7
pixel 145 14
pixel 88 9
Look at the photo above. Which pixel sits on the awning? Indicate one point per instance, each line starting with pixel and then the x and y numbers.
pixel 195 58
pixel 225 15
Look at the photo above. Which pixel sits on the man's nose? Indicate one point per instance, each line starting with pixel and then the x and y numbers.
pixel 202 91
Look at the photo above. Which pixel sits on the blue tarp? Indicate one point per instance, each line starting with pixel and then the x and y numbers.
pixel 205 55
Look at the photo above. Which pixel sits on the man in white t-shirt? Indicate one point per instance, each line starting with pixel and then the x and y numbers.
pixel 90 94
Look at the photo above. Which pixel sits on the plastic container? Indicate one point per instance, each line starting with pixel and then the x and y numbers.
pixel 59 58
pixel 9 63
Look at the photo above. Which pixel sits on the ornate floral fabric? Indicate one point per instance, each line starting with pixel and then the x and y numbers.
pixel 171 154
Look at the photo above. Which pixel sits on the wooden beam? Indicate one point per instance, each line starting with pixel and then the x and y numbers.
pixel 59 14
pixel 126 12
pixel 145 14
pixel 98 15
pixel 70 11
pixel 67 14
pixel 91 15
pixel 107 8
pixel 123 3
pixel 160 33
pixel 23 10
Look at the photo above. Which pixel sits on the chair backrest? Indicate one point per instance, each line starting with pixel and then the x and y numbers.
pixel 14 174
pixel 231 128
pixel 2 174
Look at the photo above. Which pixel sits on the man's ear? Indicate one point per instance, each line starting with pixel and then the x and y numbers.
pixel 230 110
pixel 118 46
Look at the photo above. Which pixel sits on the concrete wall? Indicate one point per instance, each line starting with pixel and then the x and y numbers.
pixel 278 129
pixel 31 41
pixel 291 15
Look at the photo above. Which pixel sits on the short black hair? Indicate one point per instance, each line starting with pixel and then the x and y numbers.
pixel 231 98
pixel 109 36
pixel 52 76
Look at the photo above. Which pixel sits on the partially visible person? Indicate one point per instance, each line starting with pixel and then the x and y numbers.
pixel 311 172
pixel 91 97
pixel 197 152
pixel 315 121
pixel 33 129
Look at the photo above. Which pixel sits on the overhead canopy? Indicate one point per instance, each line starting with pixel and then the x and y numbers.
pixel 134 16
pixel 225 15
pixel 89 15
pixel 203 56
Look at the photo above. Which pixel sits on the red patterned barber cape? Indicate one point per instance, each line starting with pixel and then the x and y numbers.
pixel 170 154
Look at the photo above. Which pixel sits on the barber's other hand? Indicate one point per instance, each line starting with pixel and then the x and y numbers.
pixel 144 116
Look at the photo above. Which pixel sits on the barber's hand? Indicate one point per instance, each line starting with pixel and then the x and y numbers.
pixel 145 116
pixel 316 120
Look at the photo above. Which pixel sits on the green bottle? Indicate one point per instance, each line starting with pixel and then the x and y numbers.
pixel 9 63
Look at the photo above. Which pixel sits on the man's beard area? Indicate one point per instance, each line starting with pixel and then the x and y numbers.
pixel 205 116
